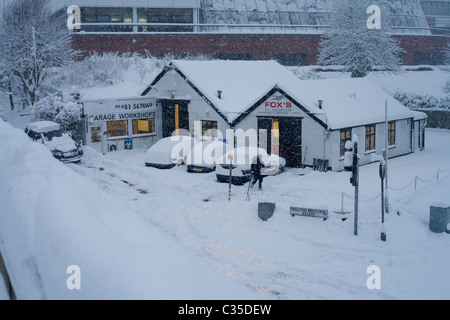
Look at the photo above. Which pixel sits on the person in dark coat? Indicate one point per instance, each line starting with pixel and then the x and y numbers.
pixel 257 164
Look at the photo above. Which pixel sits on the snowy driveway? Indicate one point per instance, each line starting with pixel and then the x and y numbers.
pixel 298 257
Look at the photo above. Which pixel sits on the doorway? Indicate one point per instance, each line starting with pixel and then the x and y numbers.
pixel 288 142
pixel 175 115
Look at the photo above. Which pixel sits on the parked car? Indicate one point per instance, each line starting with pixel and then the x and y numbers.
pixel 203 156
pixel 169 152
pixel 241 165
pixel 61 144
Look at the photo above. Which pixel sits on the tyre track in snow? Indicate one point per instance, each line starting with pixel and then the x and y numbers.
pixel 280 256
pixel 244 266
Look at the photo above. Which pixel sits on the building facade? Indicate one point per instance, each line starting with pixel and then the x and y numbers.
pixel 305 121
pixel 437 13
pixel 121 124
pixel 287 31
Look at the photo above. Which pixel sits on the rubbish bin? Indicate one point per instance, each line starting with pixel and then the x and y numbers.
pixel 265 210
pixel 439 218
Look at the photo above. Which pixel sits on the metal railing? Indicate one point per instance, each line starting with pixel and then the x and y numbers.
pixel 202 28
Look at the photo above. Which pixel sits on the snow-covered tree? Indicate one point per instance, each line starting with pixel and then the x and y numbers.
pixel 350 43
pixel 63 108
pixel 447 54
pixel 31 41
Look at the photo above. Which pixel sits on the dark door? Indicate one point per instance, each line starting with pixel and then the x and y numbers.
pixel 174 113
pixel 291 141
pixel 265 134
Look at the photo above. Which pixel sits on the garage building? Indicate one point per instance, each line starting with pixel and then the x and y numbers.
pixel 314 118
pixel 121 123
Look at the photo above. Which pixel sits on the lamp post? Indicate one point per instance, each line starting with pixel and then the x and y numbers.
pixel 230 157
pixel 354 180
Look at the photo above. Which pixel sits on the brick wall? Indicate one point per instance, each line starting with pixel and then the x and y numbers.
pixel 421 44
pixel 261 47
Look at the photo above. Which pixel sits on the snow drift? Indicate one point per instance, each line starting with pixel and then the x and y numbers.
pixel 52 218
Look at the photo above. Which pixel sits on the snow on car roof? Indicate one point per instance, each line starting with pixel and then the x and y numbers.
pixel 43 126
pixel 346 102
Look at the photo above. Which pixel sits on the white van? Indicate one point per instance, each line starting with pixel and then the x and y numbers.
pixel 60 144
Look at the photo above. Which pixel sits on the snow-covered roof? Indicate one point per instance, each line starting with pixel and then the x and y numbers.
pixel 349 102
pixel 346 102
pixel 43 126
pixel 242 83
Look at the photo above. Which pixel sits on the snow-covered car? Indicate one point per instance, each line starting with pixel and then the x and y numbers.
pixel 241 165
pixel 61 144
pixel 202 158
pixel 169 152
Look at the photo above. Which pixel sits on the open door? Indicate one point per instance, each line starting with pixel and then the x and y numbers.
pixel 175 115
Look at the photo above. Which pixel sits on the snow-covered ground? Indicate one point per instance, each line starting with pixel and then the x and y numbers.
pixel 298 258
pixel 431 82
pixel 139 232
pixel 53 218
pixel 118 242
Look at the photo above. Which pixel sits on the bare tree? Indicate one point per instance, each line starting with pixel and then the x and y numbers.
pixel 350 43
pixel 31 42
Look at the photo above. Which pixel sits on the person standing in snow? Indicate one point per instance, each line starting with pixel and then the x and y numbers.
pixel 257 164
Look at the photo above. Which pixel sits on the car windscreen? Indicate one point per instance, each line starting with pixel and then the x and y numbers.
pixel 52 134
pixel 34 135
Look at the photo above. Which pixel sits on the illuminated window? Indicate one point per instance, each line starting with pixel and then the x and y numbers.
pixel 391 134
pixel 117 128
pixel 346 135
pixel 163 16
pixel 209 128
pixel 107 15
pixel 96 135
pixel 370 137
pixel 143 126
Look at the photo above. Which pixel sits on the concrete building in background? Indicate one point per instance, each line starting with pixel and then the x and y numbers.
pixel 287 31
pixel 437 13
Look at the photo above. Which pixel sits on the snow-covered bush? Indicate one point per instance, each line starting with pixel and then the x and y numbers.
pixel 64 109
pixel 415 101
pixel 97 70
pixel 306 73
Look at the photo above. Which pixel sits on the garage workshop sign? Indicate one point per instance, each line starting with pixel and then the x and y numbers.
pixel 99 111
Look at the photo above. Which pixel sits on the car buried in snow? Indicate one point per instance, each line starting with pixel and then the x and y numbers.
pixel 203 156
pixel 239 160
pixel 61 144
pixel 169 152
